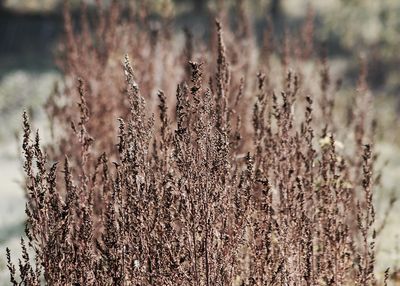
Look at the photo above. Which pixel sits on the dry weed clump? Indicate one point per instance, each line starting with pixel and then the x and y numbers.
pixel 228 183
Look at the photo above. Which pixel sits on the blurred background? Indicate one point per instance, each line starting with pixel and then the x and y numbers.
pixel 350 29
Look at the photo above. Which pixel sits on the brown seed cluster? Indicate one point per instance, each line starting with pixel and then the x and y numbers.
pixel 232 175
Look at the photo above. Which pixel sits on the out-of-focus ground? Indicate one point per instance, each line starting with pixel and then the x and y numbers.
pixel 11 205
pixel 29 30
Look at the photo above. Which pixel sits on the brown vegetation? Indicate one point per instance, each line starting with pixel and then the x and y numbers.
pixel 230 182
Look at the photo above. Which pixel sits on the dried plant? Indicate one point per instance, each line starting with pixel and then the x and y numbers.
pixel 229 182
